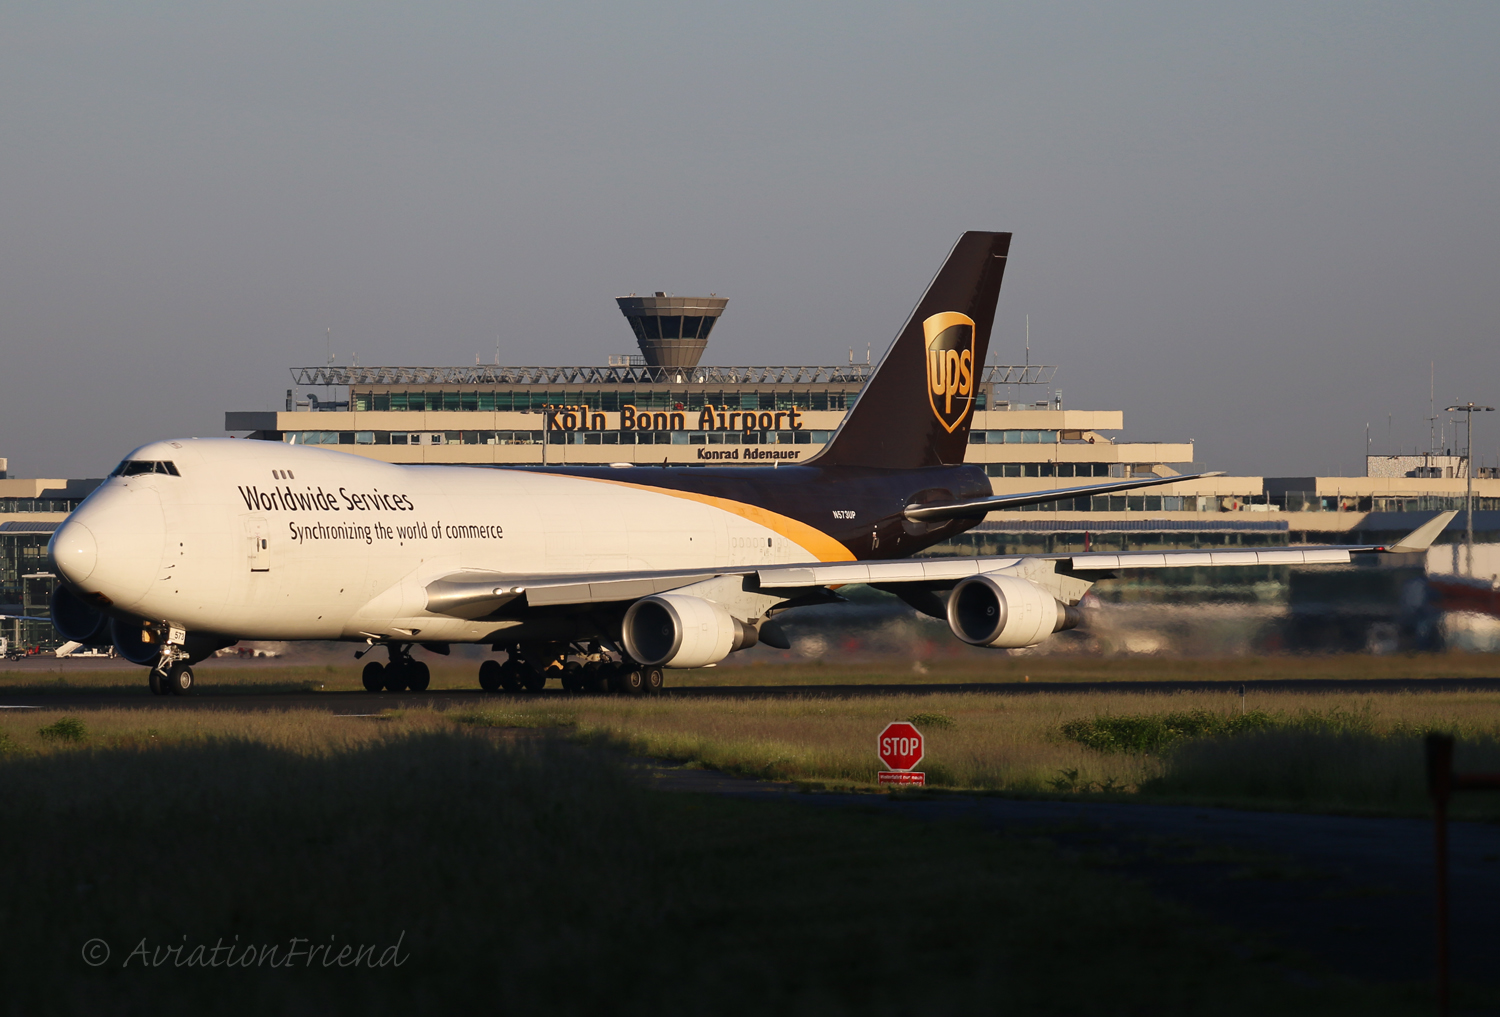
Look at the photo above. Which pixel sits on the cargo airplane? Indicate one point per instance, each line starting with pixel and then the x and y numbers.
pixel 599 576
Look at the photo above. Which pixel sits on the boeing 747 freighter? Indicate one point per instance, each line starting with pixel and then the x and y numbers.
pixel 600 576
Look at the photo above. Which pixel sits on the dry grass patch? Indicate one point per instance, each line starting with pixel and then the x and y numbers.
pixel 29 733
pixel 1359 752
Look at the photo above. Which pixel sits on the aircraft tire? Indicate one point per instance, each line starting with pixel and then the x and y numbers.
pixel 533 680
pixel 595 677
pixel 631 680
pixel 396 676
pixel 572 676
pixel 373 676
pixel 158 683
pixel 489 676
pixel 418 676
pixel 180 679
pixel 510 676
pixel 655 678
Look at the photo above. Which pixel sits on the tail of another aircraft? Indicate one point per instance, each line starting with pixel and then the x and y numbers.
pixel 917 407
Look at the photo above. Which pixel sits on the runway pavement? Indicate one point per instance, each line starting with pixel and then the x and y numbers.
pixel 247 697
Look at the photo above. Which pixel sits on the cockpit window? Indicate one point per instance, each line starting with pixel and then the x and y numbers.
pixel 131 467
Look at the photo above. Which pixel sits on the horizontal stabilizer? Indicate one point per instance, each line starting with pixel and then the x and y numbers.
pixel 928 512
pixel 1422 537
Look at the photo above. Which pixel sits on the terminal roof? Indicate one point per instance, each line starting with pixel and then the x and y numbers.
pixel 633 374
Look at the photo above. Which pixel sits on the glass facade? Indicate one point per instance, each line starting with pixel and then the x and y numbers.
pixel 1242 505
pixel 17 505
pixel 555 438
pixel 609 400
pixel 21 555
pixel 1012 437
pixel 1047 469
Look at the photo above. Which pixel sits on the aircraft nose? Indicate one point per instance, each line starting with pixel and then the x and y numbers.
pixel 112 544
pixel 74 551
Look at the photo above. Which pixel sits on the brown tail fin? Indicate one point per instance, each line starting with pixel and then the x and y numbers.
pixel 917 407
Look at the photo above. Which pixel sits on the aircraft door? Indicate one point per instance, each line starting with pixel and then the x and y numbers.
pixel 258 533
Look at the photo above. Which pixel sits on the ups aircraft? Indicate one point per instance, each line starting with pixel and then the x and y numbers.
pixel 600 576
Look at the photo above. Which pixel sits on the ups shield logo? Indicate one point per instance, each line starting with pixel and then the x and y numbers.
pixel 950 366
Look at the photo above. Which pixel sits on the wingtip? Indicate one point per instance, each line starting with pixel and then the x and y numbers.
pixel 1422 537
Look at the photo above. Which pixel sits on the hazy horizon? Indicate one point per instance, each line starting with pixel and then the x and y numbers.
pixel 1252 228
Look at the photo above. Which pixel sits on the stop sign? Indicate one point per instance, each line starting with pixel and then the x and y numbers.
pixel 899 746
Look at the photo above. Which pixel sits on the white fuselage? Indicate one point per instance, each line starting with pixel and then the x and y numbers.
pixel 261 540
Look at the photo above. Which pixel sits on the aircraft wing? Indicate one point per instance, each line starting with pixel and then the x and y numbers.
pixel 945 569
pixel 928 512
pixel 482 594
pixel 954 569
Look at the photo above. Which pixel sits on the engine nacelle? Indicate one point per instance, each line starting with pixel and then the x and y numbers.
pixel 127 634
pixel 675 630
pixel 1006 611
pixel 77 620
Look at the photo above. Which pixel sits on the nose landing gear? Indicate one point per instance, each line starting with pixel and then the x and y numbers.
pixel 175 680
pixel 171 675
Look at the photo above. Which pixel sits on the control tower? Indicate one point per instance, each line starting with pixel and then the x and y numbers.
pixel 672 331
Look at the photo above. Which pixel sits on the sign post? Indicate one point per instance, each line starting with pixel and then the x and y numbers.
pixel 900 748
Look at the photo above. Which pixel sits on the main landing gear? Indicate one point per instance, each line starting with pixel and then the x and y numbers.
pixel 401 674
pixel 579 669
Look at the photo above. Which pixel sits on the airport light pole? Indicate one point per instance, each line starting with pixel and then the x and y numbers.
pixel 1470 409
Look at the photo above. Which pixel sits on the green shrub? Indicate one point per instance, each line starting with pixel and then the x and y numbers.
pixel 1156 732
pixel 66 729
pixel 1153 732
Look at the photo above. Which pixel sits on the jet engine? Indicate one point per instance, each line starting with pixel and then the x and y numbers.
pixel 76 620
pixel 127 634
pixel 1006 611
pixel 675 630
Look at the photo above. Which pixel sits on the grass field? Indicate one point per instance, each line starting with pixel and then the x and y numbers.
pixel 340 672
pixel 1321 751
pixel 519 872
pixel 1318 751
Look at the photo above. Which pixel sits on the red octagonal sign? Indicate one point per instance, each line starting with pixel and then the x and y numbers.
pixel 899 746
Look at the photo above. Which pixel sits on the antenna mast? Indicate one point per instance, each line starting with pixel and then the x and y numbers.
pixel 1431 411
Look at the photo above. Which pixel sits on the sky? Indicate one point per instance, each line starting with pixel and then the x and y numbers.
pixel 1256 227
